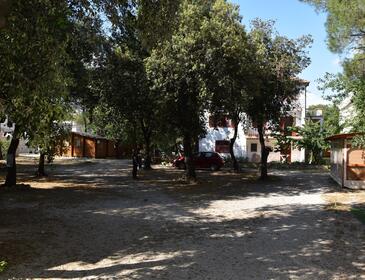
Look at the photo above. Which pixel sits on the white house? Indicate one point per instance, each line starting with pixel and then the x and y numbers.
pixel 6 131
pixel 247 145
pixel 347 113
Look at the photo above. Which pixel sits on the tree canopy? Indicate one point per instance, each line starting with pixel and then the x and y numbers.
pixel 274 85
pixel 146 72
pixel 346 33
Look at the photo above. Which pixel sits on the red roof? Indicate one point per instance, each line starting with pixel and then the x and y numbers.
pixel 343 136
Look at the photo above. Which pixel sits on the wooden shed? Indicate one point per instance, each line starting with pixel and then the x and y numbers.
pixel 92 146
pixel 347 162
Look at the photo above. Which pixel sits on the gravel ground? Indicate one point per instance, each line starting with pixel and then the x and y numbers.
pixel 90 221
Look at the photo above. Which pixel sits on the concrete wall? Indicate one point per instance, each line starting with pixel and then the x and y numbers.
pixel 207 144
pixel 243 142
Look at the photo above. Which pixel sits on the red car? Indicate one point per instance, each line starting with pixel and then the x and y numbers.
pixel 210 160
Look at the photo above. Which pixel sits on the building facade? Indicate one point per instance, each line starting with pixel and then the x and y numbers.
pixel 247 145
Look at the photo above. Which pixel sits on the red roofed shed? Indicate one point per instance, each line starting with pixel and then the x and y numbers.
pixel 347 162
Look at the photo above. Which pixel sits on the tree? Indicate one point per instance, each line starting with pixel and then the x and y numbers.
pixel 129 105
pixel 312 139
pixel 87 53
pixel 274 86
pixel 346 33
pixel 156 21
pixel 344 85
pixel 33 47
pixel 229 75
pixel 283 142
pixel 345 23
pixel 331 118
pixel 51 132
pixel 181 69
pixel 126 91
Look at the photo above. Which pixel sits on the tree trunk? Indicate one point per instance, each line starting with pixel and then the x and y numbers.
pixel 147 142
pixel 1 152
pixel 11 163
pixel 231 145
pixel 188 154
pixel 264 152
pixel 147 161
pixel 41 172
pixel 85 123
pixel 4 12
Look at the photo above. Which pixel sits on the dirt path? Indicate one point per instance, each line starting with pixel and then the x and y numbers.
pixel 90 221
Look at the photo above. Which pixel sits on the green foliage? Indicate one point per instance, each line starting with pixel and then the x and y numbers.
pixel 156 20
pixel 346 32
pixel 345 22
pixel 359 141
pixel 86 51
pixel 3 266
pixel 201 60
pixel 4 145
pixel 331 118
pixel 50 138
pixel 274 86
pixel 278 60
pixel 283 142
pixel 348 86
pixel 33 61
pixel 312 139
pixel 230 67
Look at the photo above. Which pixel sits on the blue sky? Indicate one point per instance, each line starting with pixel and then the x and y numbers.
pixel 294 19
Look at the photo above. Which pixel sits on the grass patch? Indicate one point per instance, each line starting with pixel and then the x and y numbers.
pixel 3 265
pixel 359 214
pixel 336 206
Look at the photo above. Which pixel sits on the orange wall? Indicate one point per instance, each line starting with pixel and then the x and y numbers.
pixel 356 173
pixel 112 150
pixel 89 147
pixel 101 147
pixel 78 145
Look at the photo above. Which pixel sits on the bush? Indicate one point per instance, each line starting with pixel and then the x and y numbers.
pixel 3 265
pixel 4 147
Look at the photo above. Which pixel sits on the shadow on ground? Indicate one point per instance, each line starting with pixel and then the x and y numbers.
pixel 95 222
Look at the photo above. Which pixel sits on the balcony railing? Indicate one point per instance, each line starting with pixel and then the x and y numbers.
pixel 252 132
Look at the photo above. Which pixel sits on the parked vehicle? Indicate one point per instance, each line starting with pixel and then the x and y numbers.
pixel 211 160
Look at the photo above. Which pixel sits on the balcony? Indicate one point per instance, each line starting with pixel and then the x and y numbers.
pixel 252 133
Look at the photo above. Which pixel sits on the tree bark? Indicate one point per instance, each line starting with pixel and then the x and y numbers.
pixel 147 141
pixel 4 12
pixel 147 161
pixel 188 155
pixel 264 152
pixel 85 122
pixel 40 171
pixel 11 162
pixel 231 145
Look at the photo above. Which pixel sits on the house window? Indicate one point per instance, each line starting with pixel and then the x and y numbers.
pixel 253 147
pixel 222 146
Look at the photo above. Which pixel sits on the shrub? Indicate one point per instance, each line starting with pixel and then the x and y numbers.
pixel 4 144
pixel 3 265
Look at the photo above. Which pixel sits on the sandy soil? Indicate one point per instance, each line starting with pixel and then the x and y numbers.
pixel 89 220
